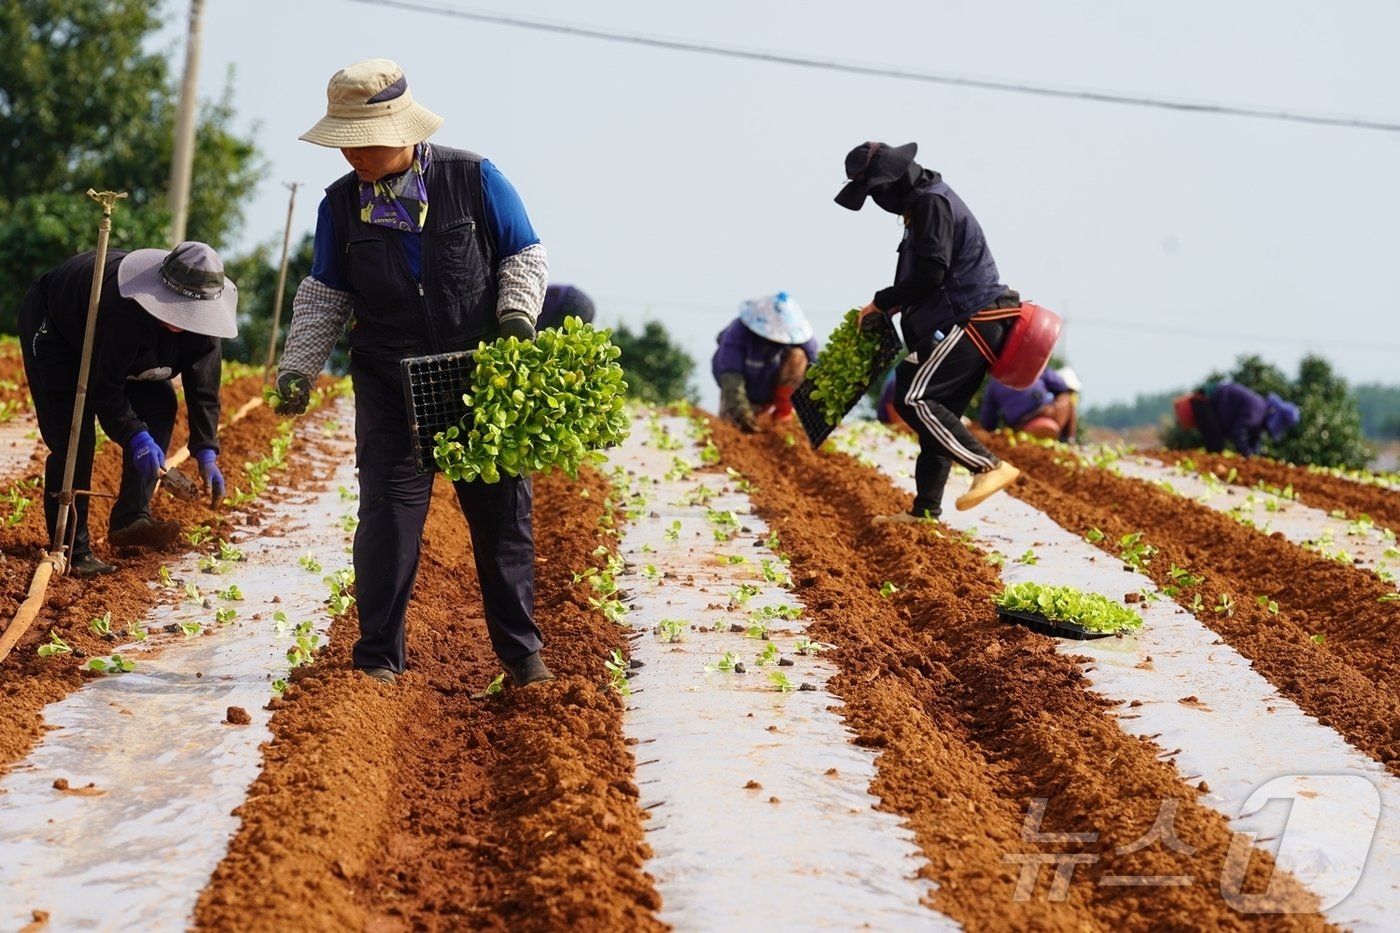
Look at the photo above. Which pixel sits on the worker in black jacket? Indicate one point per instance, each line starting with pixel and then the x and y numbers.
pixel 160 314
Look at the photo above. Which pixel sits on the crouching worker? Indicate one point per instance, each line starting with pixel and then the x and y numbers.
pixel 763 356
pixel 160 313
pixel 1046 409
pixel 1229 411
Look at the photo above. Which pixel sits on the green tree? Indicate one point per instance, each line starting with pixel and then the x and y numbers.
pixel 84 105
pixel 1328 432
pixel 657 371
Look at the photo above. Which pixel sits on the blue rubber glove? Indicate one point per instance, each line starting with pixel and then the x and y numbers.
pixel 146 455
pixel 209 472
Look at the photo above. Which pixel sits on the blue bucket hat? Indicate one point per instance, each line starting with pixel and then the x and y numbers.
pixel 1280 416
pixel 776 318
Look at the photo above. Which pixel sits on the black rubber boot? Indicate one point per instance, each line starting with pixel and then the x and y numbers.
pixel 89 566
pixel 527 670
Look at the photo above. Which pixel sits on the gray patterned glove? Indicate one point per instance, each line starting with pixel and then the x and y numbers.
pixel 517 324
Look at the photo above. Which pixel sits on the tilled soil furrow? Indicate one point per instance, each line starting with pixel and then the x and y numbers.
pixel 515 812
pixel 1318 490
pixel 976 719
pixel 1350 681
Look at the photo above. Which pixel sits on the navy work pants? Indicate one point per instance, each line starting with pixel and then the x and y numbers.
pixel 394 499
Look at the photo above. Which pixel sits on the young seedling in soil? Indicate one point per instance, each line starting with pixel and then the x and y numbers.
pixel 116 664
pixel 612 609
pixel 1028 557
pixel 225 616
pixel 888 589
pixel 742 595
pixel 1264 602
pixel 756 630
pixel 192 593
pixel 230 552
pixel 1133 552
pixel 616 666
pixel 232 592
pixel 191 629
pixel 496 685
pixel 54 646
pixel 768 655
pixel 166 579
pixel 781 682
pixel 773 575
pixel 1318 639
pixel 741 484
pixel 1093 536
pixel 729 664
pixel 210 565
pixel 1224 606
pixel 136 631
pixel 672 630
pixel 995 558
pixel 347 494
pixel 279 686
pixel 198 535
pixel 805 646
pixel 102 625
pixel 651 572
pixel 674 532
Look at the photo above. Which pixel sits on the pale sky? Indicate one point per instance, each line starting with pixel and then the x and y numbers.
pixel 671 185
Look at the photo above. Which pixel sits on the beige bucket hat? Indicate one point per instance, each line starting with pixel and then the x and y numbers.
pixel 184 287
pixel 369 104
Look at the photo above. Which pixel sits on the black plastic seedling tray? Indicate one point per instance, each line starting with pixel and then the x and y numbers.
pixel 433 387
pixel 812 413
pixel 1038 623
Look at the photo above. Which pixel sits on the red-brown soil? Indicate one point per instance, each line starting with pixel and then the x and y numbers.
pixel 417 807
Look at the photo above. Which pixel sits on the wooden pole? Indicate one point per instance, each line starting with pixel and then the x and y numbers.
pixel 182 159
pixel 281 283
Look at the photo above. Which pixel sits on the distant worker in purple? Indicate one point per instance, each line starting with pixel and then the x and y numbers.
pixel 561 301
pixel 1046 409
pixel 1223 411
pixel 762 357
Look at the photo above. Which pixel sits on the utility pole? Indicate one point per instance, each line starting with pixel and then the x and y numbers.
pixel 183 158
pixel 281 282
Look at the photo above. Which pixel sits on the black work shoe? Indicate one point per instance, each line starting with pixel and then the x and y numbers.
pixel 89 566
pixel 381 674
pixel 146 532
pixel 527 670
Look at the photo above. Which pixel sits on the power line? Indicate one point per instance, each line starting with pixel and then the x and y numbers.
pixel 989 84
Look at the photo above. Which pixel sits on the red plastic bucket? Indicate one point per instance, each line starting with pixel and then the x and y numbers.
pixel 1028 347
pixel 1184 415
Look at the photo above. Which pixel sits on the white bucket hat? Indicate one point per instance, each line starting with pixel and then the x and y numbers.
pixel 369 104
pixel 184 287
pixel 776 318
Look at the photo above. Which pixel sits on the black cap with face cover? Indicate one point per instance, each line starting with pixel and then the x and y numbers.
pixel 870 165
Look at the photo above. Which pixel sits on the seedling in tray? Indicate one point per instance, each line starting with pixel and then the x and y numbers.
pixel 1064 611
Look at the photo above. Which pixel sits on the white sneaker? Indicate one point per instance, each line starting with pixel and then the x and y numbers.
pixel 985 484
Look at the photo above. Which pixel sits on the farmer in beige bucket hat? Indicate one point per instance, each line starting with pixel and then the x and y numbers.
pixel 160 313
pixel 429 250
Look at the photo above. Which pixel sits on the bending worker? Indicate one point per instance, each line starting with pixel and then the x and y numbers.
pixel 762 357
pixel 430 250
pixel 1046 409
pixel 953 306
pixel 561 301
pixel 1228 410
pixel 161 313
